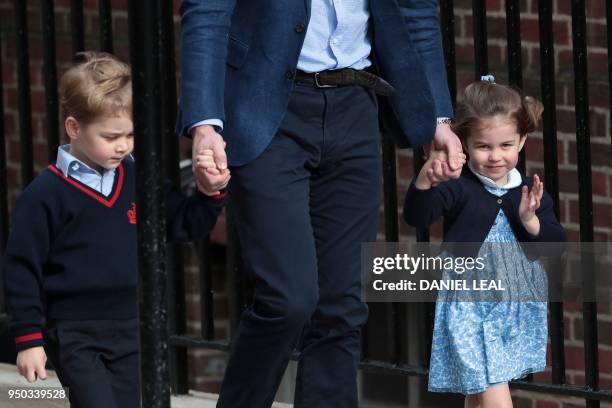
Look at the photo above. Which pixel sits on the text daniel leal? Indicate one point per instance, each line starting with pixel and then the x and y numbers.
pixel 424 284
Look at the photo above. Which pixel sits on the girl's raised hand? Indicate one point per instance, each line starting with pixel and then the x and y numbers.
pixel 530 202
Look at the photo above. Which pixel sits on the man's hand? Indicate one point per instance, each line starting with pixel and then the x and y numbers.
pixel 207 144
pixel 448 141
pixel 31 363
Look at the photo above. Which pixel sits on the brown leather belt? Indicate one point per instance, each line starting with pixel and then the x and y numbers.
pixel 344 77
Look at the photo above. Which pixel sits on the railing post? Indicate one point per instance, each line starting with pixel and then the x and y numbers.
pixel 50 79
pixel 551 173
pixel 106 25
pixel 77 29
pixel 585 190
pixel 144 55
pixel 481 54
pixel 4 222
pixel 25 99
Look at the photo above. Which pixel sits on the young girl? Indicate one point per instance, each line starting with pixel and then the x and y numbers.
pixel 478 347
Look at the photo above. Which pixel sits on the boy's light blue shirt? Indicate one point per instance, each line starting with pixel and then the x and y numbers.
pixel 73 167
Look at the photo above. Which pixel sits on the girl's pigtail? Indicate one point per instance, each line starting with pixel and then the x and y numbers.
pixel 533 109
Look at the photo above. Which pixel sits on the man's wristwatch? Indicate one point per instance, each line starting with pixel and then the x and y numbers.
pixel 443 120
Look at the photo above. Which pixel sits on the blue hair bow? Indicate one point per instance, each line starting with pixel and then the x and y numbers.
pixel 488 78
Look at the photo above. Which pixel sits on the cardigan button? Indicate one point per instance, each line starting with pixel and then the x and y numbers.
pixel 499 201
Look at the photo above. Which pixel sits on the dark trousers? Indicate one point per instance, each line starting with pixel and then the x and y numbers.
pixel 97 360
pixel 302 210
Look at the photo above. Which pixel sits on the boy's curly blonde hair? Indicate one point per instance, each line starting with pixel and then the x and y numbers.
pixel 101 85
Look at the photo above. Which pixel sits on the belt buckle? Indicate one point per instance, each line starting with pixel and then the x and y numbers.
pixel 316 81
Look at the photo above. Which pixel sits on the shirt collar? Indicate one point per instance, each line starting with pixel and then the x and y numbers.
pixel 514 179
pixel 69 164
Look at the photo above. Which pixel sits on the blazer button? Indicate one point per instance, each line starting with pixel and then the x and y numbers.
pixel 299 28
pixel 499 201
pixel 290 74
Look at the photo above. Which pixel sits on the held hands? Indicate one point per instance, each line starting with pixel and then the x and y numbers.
pixel 31 363
pixel 445 139
pixel 434 171
pixel 530 202
pixel 445 161
pixel 209 160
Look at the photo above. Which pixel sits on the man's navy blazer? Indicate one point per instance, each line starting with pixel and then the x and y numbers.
pixel 238 60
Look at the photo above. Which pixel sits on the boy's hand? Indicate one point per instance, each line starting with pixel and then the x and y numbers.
pixel 530 202
pixel 208 143
pixel 435 170
pixel 209 178
pixel 31 363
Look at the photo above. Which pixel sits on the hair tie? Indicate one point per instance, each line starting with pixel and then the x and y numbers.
pixel 488 78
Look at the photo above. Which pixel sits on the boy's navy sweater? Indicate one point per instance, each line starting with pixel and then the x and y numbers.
pixel 72 251
pixel 469 212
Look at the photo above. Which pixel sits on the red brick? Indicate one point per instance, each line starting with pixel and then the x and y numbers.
pixel 564 62
pixel 405 168
pixel 597 63
pixel 598 95
pixel 568 183
pixel 496 27
pixel 600 152
pixel 546 404
pixel 562 7
pixel 595 9
pixel 494 5
pixel 604 334
pixel 10 124
pixel 602 215
pixel 544 376
pixel 599 181
pixel 534 149
pixel 574 358
pixel 597 35
pixel 567 328
pixel 530 31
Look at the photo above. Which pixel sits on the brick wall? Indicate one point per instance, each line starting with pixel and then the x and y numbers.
pixel 206 367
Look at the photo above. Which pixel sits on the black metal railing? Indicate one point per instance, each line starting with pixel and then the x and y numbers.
pixel 164 319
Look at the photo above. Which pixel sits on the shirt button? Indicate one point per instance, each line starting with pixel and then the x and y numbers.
pixel 290 74
pixel 499 201
pixel 299 28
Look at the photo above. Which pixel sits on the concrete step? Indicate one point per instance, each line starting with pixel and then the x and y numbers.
pixel 10 379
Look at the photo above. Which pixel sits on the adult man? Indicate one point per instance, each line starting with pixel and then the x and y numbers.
pixel 286 82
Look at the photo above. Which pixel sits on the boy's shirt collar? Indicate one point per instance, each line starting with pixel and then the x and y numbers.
pixel 70 166
pixel 514 179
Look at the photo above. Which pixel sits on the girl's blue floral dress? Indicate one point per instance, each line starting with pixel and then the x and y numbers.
pixel 480 343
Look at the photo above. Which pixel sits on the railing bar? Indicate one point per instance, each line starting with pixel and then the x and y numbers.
pixel 515 66
pixel 50 79
pixel 77 27
pixel 394 334
pixel 551 173
pixel 143 21
pixel 177 311
pixel 479 13
pixel 447 26
pixel 106 25
pixel 585 197
pixel 25 107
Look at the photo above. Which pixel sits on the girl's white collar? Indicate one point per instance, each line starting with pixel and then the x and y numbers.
pixel 514 179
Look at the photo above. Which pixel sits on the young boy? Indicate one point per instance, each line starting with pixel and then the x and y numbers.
pixel 71 261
